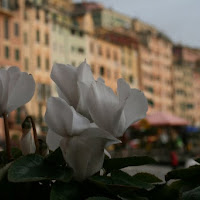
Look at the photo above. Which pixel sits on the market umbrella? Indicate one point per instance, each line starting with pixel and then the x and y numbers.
pixel 165 119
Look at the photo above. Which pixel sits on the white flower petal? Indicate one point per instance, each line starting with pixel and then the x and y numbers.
pixel 82 107
pixel 101 79
pixel 63 119
pixel 136 107
pixel 85 74
pixel 107 153
pixel 53 140
pixel 27 144
pixel 85 153
pixel 65 77
pixel 123 89
pixel 4 77
pixel 103 105
pixel 61 95
pixel 21 90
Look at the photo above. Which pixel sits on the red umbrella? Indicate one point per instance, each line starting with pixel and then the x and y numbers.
pixel 164 119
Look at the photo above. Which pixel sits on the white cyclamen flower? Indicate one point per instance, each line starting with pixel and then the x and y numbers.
pixel 73 84
pixel 81 142
pixel 116 113
pixel 17 88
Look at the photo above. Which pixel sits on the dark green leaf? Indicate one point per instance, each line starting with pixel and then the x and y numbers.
pixel 147 178
pixel 3 158
pixel 197 160
pixel 164 192
pixel 121 178
pixel 101 179
pixel 33 168
pixel 65 191
pixel 4 170
pixel 56 157
pixel 16 153
pixel 192 194
pixel 184 174
pixel 119 185
pixel 119 163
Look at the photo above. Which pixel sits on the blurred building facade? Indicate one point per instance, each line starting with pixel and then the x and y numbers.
pixel 35 34
pixel 156 69
pixel 186 79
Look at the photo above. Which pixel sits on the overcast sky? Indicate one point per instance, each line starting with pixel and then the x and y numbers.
pixel 179 19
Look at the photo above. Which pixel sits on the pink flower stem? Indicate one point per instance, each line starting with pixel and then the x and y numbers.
pixel 34 134
pixel 7 136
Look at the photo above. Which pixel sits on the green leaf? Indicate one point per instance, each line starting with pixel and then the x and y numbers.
pixel 65 191
pixel 3 158
pixel 190 173
pixel 120 184
pixel 147 178
pixel 121 178
pixel 197 160
pixel 98 198
pixel 16 153
pixel 33 168
pixel 164 192
pixel 119 163
pixel 56 157
pixel 4 170
pixel 192 194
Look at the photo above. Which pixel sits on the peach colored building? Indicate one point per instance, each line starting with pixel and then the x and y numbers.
pixel 111 53
pixel 156 71
pixel 10 35
pixel 186 83
pixel 37 54
pixel 10 40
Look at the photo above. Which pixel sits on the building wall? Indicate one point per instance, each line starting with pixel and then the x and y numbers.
pixel 156 73
pixel 37 56
pixel 105 60
pixel 10 40
pixel 186 79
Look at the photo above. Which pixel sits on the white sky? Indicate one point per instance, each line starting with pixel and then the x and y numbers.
pixel 179 19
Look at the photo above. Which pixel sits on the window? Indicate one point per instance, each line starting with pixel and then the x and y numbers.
pixel 150 102
pixel 25 15
pixel 38 36
pixel 47 91
pixel 101 71
pixel 131 79
pixel 25 38
pixel 16 29
pixel 107 53
pixel 99 50
pixel 7 52
pixel 40 92
pixel 47 64
pixel 46 16
pixel 46 38
pixel 26 64
pixel 80 50
pixel 81 33
pixel 115 56
pixel 72 31
pixel 37 13
pixel 17 54
pixel 54 17
pixel 38 62
pixel 6 28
